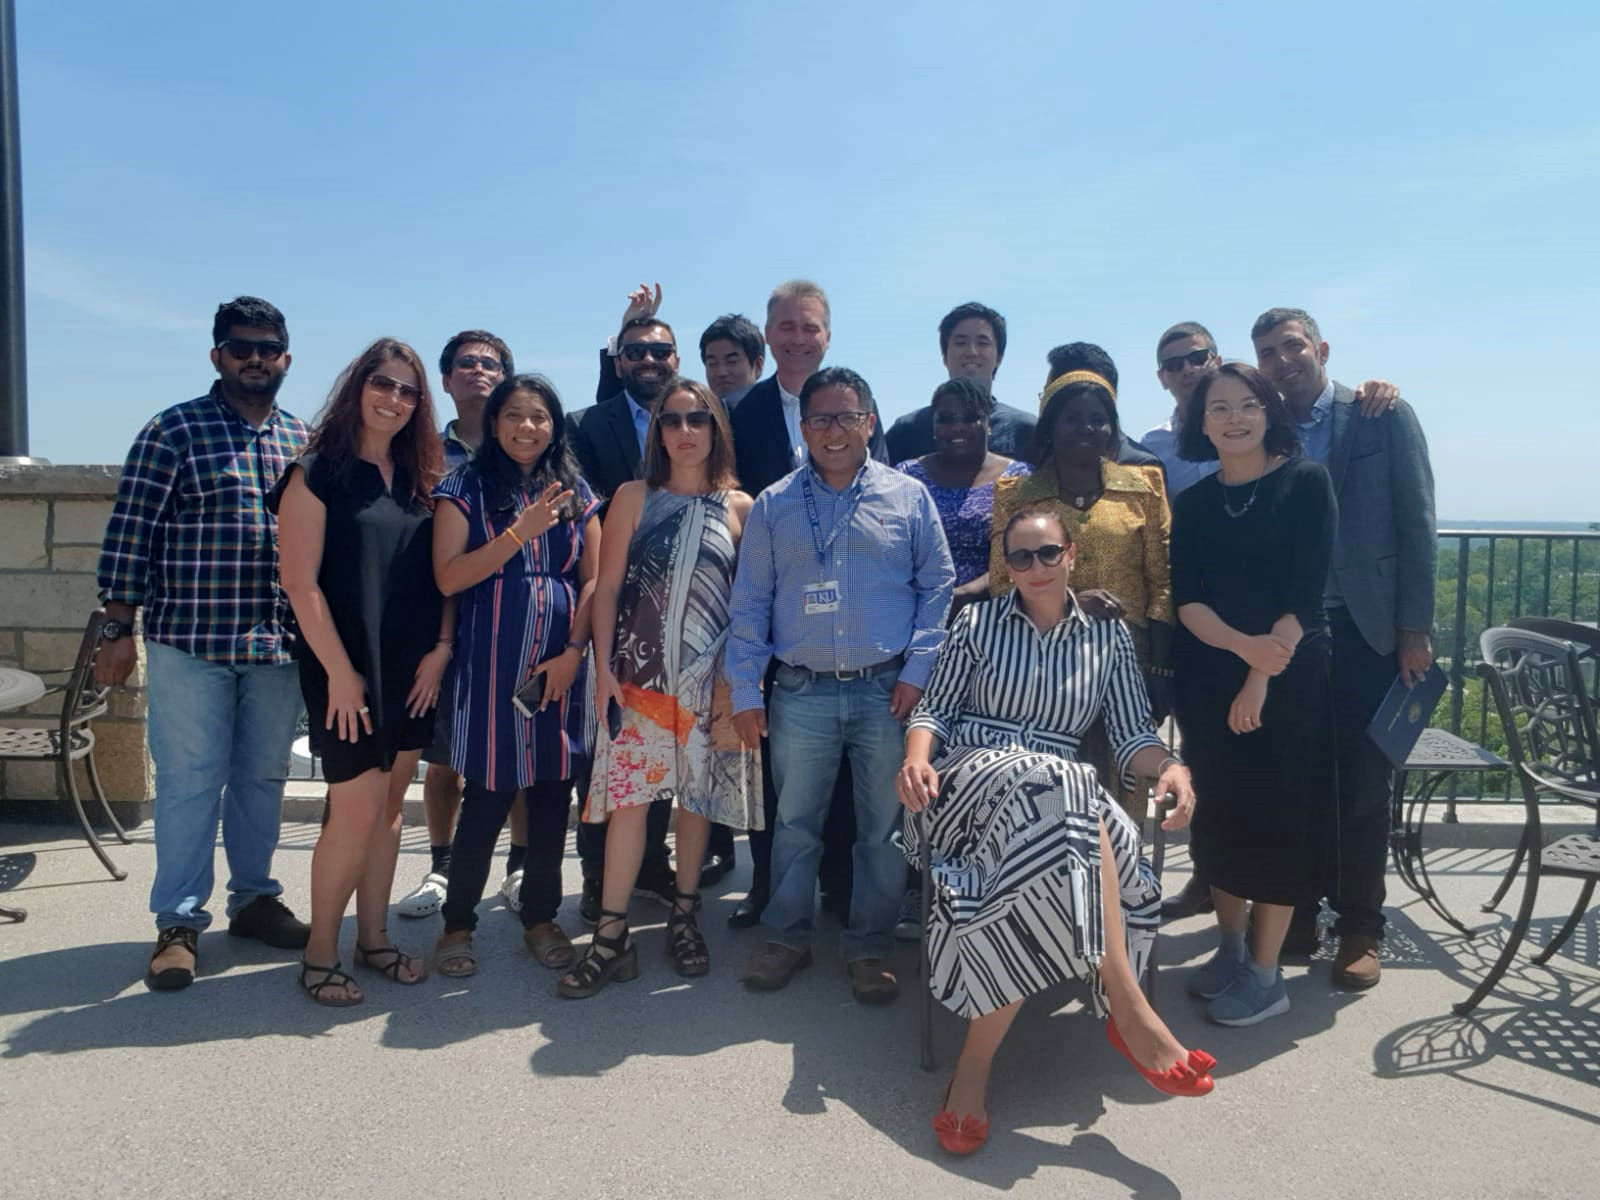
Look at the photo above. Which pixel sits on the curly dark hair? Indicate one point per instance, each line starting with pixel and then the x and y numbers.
pixel 1282 436
pixel 501 477
pixel 417 447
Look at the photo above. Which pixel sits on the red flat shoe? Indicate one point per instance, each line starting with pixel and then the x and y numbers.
pixel 958 1135
pixel 1192 1078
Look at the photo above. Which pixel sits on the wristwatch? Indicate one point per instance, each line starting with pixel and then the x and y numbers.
pixel 113 629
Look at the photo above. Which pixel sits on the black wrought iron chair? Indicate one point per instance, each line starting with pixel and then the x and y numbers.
pixel 1537 688
pixel 1584 638
pixel 72 739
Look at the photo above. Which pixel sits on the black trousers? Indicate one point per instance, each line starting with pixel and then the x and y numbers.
pixel 592 838
pixel 483 814
pixel 1361 677
pixel 721 843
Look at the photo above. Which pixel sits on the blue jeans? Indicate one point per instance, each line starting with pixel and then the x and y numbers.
pixel 220 738
pixel 813 721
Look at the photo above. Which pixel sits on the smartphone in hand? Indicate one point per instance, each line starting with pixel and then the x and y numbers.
pixel 529 698
pixel 614 720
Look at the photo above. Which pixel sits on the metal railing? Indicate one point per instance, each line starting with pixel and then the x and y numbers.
pixel 1488 577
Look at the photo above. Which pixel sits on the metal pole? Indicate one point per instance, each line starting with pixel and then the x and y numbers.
pixel 13 350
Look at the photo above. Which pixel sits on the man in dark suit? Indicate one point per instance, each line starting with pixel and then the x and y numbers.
pixel 972 343
pixel 767 446
pixel 608 440
pixel 1380 596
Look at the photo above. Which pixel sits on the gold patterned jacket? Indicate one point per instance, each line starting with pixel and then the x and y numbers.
pixel 1121 540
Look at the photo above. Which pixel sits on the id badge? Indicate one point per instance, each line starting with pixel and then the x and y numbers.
pixel 819 598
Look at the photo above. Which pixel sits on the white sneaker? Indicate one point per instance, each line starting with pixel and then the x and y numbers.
pixel 511 889
pixel 426 899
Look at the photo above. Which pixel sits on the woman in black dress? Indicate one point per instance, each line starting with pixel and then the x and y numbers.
pixel 1250 552
pixel 356 558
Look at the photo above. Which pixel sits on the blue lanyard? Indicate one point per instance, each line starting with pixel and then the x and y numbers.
pixel 849 502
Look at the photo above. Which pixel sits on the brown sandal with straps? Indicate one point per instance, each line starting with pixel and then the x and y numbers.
pixel 334 976
pixel 400 961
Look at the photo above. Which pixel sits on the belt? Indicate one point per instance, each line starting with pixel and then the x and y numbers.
pixel 888 664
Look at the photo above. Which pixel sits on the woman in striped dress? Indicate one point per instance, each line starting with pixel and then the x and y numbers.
pixel 517 538
pixel 1027 847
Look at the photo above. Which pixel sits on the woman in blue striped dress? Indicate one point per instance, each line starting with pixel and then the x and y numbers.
pixel 1027 847
pixel 517 538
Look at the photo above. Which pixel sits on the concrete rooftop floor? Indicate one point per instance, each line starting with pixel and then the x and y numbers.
pixel 665 1088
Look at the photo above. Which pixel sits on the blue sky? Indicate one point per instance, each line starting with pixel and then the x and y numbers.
pixel 1422 178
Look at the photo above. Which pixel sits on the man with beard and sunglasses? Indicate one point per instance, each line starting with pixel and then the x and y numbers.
pixel 192 543
pixel 609 442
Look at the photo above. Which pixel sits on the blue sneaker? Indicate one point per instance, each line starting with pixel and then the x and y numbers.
pixel 1246 1002
pixel 1211 979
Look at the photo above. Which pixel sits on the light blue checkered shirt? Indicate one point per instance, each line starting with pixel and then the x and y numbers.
pixel 891 562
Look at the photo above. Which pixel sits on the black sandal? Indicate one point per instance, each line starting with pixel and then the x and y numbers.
pixel 393 967
pixel 685 945
pixel 334 976
pixel 607 958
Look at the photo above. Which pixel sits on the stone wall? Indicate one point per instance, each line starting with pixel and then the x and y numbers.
pixel 52 519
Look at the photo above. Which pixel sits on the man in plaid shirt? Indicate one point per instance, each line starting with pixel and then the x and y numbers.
pixel 191 543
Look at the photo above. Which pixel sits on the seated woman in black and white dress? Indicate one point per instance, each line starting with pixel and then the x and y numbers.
pixel 1027 846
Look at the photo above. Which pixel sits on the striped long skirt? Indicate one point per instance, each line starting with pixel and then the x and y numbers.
pixel 1017 891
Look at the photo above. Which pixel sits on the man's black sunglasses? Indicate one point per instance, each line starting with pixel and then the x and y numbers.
pixel 1195 358
pixel 244 349
pixel 660 351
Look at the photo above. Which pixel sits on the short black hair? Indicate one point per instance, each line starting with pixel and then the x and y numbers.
pixel 447 356
pixel 741 331
pixel 1081 356
pixel 842 377
pixel 647 323
pixel 248 310
pixel 1273 317
pixel 1282 436
pixel 965 390
pixel 965 312
pixel 1185 329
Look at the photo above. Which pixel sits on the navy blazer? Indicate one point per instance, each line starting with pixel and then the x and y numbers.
pixel 1387 551
pixel 606 445
pixel 761 439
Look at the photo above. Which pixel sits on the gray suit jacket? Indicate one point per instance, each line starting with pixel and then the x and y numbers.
pixel 1387 549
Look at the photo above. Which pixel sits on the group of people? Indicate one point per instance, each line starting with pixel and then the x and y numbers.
pixel 723 597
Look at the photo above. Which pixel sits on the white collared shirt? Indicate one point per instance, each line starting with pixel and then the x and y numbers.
pixel 791 419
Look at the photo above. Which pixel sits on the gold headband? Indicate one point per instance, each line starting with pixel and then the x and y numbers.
pixel 1070 378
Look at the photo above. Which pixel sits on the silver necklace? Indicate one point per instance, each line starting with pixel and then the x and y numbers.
pixel 1229 509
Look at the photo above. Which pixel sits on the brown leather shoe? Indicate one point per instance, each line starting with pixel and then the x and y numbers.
pixel 872 982
pixel 177 953
pixel 549 945
pixel 1356 963
pixel 771 967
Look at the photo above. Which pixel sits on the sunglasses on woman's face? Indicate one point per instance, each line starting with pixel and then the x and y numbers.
pixel 1021 560
pixel 697 419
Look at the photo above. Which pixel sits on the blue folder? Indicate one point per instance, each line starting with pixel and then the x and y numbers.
pixel 1404 714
